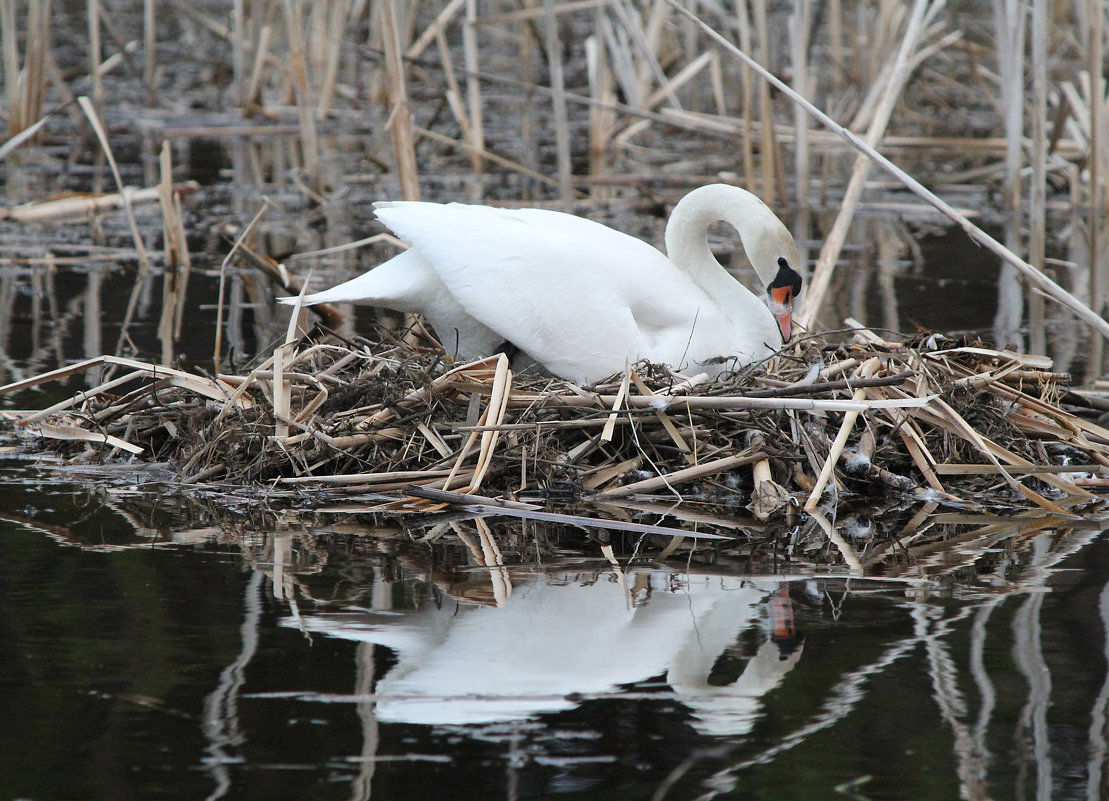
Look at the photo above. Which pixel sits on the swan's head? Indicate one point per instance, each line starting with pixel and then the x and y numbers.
pixel 780 294
pixel 767 242
pixel 773 253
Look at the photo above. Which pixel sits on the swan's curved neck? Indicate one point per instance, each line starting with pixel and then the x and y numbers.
pixel 765 239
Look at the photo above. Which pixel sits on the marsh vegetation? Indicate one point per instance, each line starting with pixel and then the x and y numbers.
pixel 913 484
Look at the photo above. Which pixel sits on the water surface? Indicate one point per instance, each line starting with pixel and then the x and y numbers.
pixel 146 652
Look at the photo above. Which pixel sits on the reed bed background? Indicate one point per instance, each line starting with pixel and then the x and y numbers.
pixel 609 108
pixel 586 104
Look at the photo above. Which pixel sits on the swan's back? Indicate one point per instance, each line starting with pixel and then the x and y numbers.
pixel 569 291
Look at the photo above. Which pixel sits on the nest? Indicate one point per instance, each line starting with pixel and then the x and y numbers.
pixel 933 420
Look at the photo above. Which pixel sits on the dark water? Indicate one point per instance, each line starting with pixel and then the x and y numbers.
pixel 146 653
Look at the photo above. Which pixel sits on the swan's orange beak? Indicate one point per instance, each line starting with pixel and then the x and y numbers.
pixel 781 306
pixel 780 295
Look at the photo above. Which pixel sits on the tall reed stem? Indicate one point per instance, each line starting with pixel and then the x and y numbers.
pixel 1098 197
pixel 298 66
pixel 558 101
pixel 400 115
pixel 473 83
pixel 1037 190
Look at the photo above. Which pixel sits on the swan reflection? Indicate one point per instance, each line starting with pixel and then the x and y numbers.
pixel 559 638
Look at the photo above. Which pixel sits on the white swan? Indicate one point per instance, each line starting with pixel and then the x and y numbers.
pixel 580 298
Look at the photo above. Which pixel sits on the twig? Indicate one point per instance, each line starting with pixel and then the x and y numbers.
pixel 217 348
pixel 865 371
pixel 684 476
pixel 400 116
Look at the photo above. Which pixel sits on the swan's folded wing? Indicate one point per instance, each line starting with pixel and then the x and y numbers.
pixel 575 295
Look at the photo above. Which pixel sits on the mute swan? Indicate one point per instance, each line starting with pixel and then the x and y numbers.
pixel 580 298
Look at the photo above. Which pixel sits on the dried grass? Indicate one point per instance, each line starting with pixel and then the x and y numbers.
pixel 934 421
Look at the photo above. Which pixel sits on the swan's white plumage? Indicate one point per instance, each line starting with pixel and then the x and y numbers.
pixel 578 297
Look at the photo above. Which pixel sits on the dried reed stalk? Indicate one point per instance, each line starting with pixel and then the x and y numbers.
pixel 866 370
pixel 768 148
pixel 800 21
pixel 298 73
pixel 252 95
pixel 76 434
pixel 9 39
pixel 500 390
pixel 400 116
pixel 176 259
pixel 31 87
pixel 602 120
pixel 1037 189
pixel 150 51
pixel 473 84
pixel 333 33
pixel 239 95
pixel 207 387
pixel 435 30
pixel 1098 165
pixel 456 102
pixel 558 101
pixel 217 352
pixel 95 53
pixel 140 248
pixel 846 551
pixel 679 477
pixel 746 102
pixel 87 206
pixel 767 494
pixel 486 156
pixel 1009 19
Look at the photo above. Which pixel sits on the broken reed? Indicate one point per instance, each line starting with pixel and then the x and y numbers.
pixel 24 78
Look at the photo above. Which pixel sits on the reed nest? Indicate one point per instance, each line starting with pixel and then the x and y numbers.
pixel 931 419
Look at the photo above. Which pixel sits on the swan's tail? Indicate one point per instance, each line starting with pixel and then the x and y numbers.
pixel 402 283
pixel 364 288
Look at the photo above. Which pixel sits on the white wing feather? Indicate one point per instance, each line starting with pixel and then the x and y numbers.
pixel 536 275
